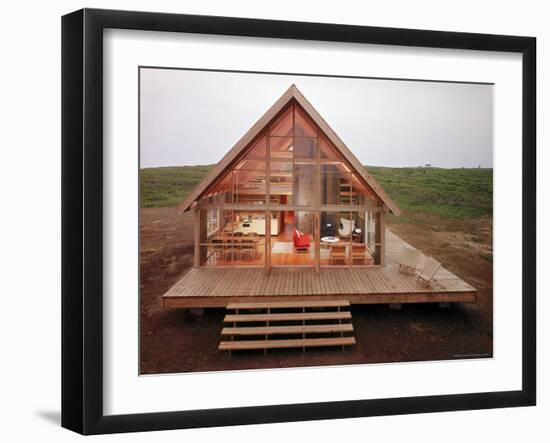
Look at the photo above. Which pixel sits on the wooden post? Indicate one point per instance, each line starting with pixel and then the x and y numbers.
pixel 317 202
pixel 197 262
pixel 351 224
pixel 383 238
pixel 317 242
pixel 267 261
pixel 201 237
pixel 267 242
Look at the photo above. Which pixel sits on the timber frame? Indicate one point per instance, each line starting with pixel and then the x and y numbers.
pixel 293 103
pixel 292 94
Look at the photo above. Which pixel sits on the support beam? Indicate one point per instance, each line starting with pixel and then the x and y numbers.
pixel 267 260
pixel 197 216
pixel 267 242
pixel 317 242
pixel 325 208
pixel 382 238
pixel 318 201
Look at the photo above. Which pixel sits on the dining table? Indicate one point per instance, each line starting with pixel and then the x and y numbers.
pixel 239 240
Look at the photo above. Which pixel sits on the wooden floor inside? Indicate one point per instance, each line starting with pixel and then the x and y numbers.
pixel 218 286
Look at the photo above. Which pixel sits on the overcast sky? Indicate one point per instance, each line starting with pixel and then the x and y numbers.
pixel 195 117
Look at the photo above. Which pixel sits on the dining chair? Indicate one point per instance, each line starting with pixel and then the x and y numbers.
pixel 337 253
pixel 248 248
pixel 217 247
pixel 358 253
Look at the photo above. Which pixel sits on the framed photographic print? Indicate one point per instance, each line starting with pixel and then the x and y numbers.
pixel 270 221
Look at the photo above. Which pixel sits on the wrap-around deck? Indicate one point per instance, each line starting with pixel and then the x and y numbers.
pixel 216 287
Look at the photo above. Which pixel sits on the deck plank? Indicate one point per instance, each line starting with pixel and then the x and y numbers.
pixel 306 304
pixel 344 315
pixel 289 330
pixel 296 343
pixel 358 284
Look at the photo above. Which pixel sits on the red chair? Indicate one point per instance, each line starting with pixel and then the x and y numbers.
pixel 301 241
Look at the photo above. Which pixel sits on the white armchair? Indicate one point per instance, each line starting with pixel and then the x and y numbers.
pixel 347 227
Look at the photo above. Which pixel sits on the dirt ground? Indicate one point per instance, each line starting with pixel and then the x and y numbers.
pixel 175 340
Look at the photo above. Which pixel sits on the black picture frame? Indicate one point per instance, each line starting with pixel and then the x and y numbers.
pixel 82 218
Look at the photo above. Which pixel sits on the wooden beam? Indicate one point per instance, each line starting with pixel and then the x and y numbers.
pixel 318 213
pixel 357 299
pixel 197 261
pixel 233 154
pixel 293 305
pixel 267 260
pixel 269 207
pixel 267 242
pixel 345 151
pixel 382 238
pixel 291 97
pixel 317 242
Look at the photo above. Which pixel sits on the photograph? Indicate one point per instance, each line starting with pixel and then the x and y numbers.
pixel 301 220
pixel 266 222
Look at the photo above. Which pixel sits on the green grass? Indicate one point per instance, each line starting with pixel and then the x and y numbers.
pixel 449 193
pixel 161 187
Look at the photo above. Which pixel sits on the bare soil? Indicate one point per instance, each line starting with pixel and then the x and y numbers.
pixel 176 340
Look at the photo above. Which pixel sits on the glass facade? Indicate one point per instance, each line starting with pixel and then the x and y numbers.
pixel 293 165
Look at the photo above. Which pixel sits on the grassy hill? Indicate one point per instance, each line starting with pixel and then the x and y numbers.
pixel 450 193
pixel 161 187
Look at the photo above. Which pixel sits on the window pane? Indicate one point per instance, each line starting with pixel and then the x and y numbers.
pixel 280 188
pixel 281 149
pixel 281 170
pixel 305 184
pixel 240 240
pixel 305 149
pixel 361 252
pixel 222 190
pixel 336 229
pixel 304 127
pixel 255 156
pixel 372 236
pixel 304 237
pixel 361 193
pixel 283 125
pixel 249 187
pixel 212 221
pixel 335 185
pixel 328 150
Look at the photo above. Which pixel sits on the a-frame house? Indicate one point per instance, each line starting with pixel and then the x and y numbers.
pixel 289 193
pixel 290 216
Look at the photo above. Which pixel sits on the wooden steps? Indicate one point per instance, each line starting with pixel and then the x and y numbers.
pixel 310 329
pixel 288 316
pixel 287 325
pixel 291 304
pixel 297 343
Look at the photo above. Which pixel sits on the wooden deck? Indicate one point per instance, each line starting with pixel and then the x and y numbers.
pixel 217 287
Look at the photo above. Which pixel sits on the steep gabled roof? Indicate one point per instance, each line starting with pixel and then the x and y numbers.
pixel 292 93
